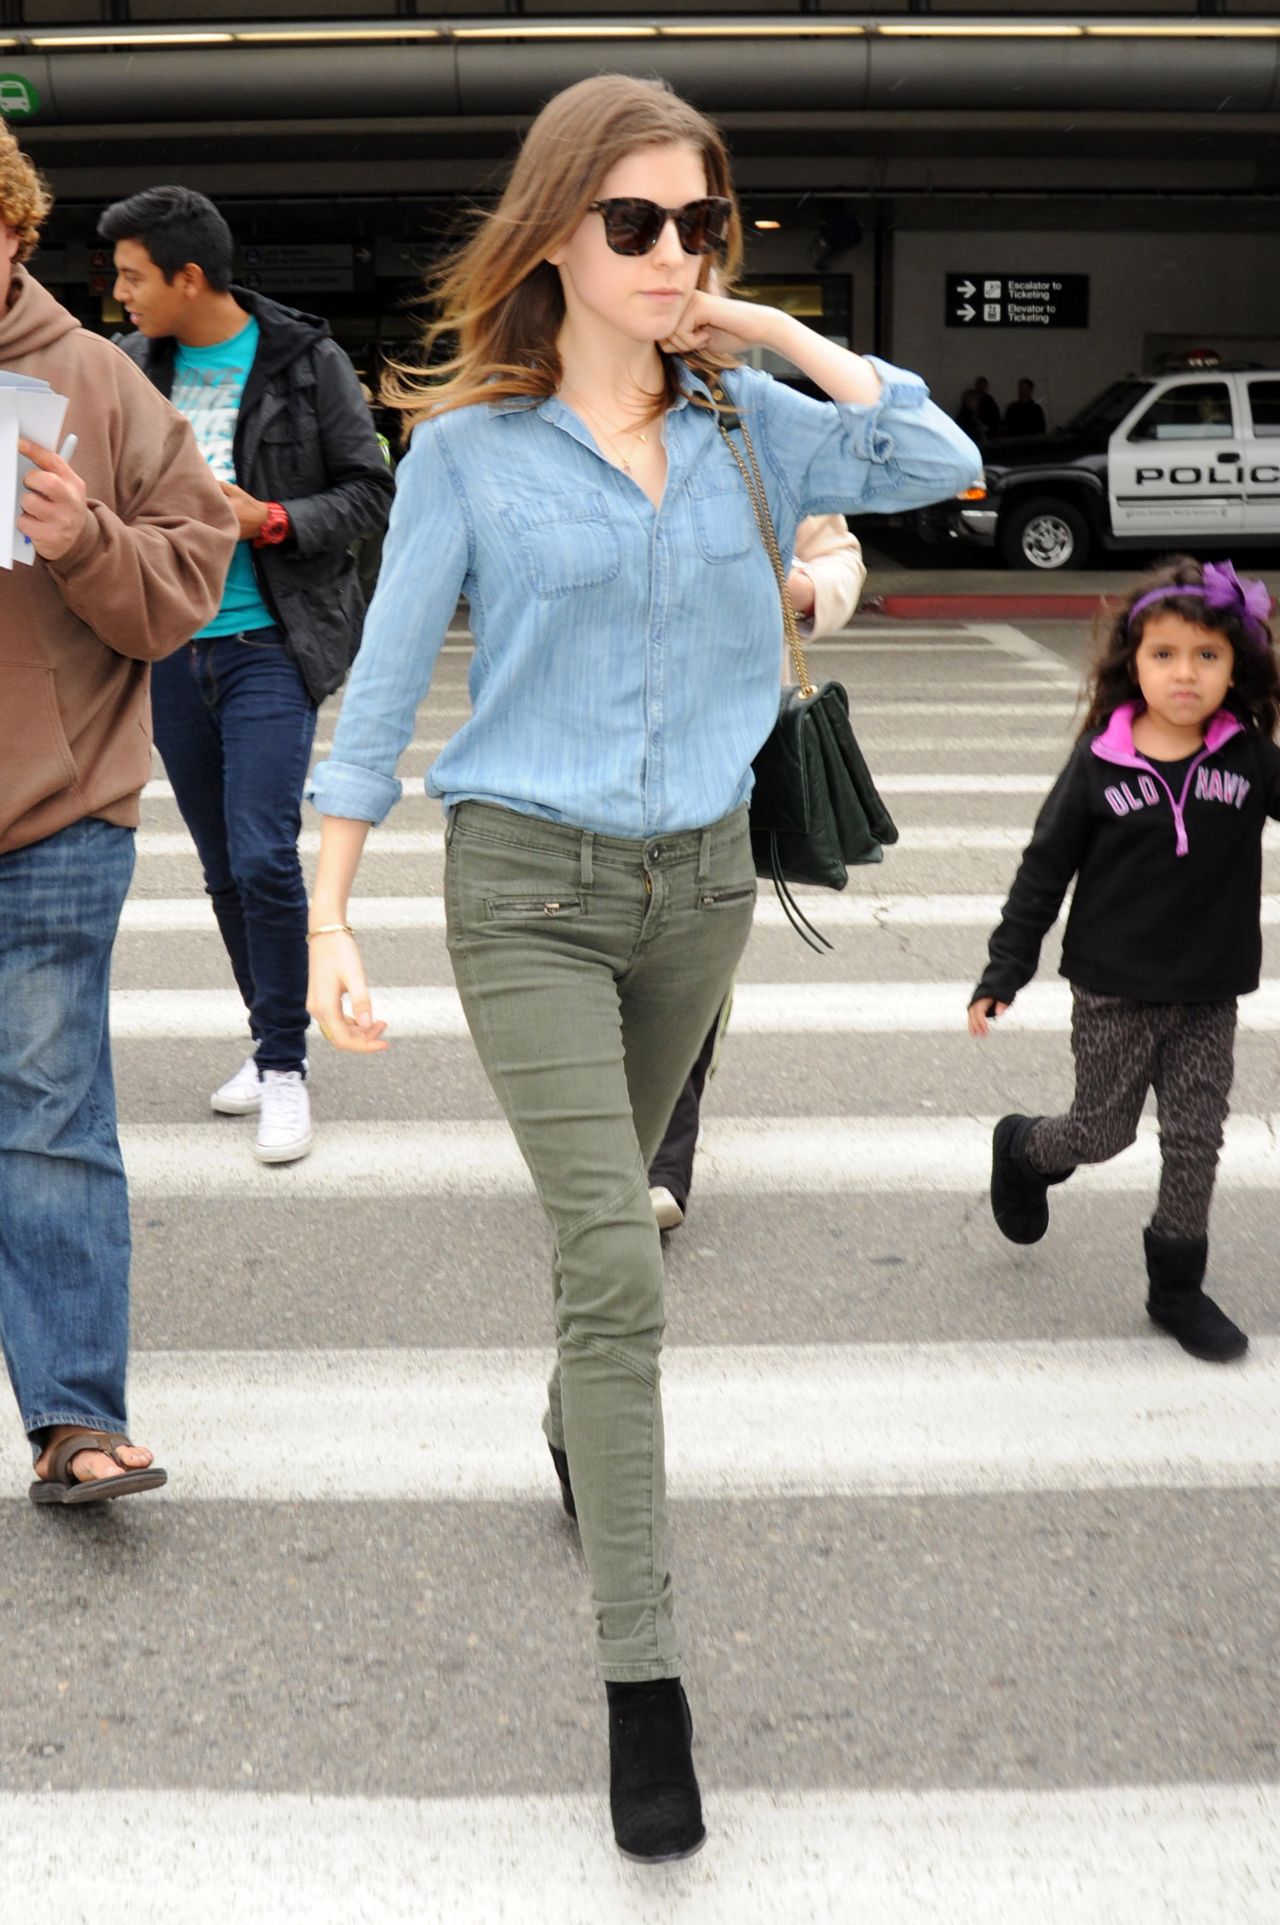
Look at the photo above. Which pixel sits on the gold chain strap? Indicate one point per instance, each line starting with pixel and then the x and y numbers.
pixel 764 522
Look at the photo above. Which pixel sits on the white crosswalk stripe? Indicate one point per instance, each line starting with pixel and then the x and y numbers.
pixel 759 1009
pixel 894 784
pixel 416 842
pixel 832 1448
pixel 158 915
pixel 757 1156
pixel 876 1420
pixel 1176 1854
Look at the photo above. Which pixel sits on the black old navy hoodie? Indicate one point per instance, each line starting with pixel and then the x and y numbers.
pixel 1168 861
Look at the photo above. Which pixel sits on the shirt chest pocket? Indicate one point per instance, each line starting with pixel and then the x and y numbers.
pixel 724 523
pixel 566 542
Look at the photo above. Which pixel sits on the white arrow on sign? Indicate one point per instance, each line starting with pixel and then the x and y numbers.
pixel 966 312
pixel 966 288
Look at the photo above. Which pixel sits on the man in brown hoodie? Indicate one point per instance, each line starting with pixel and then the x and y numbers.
pixel 132 543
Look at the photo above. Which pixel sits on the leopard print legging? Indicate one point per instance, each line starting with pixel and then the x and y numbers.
pixel 1185 1052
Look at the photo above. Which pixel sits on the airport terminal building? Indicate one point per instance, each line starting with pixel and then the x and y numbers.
pixel 1000 192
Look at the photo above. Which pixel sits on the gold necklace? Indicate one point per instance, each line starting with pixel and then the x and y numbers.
pixel 638 434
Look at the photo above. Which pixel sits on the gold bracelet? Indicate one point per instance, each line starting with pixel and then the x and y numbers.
pixel 331 929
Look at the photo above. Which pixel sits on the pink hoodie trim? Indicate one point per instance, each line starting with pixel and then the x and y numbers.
pixel 1115 744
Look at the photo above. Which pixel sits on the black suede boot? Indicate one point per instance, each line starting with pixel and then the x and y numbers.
pixel 1019 1194
pixel 561 1463
pixel 1176 1301
pixel 653 1791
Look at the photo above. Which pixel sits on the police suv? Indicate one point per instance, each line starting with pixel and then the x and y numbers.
pixel 1184 459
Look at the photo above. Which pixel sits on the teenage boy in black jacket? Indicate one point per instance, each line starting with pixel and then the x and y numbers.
pixel 278 413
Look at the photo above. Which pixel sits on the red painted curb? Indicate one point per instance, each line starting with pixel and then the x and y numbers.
pixel 986 607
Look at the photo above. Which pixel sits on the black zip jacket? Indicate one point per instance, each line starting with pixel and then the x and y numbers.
pixel 305 438
pixel 1168 864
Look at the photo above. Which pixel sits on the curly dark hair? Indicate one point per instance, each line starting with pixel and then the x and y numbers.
pixel 25 197
pixel 1255 688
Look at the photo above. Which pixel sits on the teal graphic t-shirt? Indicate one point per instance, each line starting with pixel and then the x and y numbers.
pixel 208 384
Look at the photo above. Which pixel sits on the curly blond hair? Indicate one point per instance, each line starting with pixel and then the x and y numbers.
pixel 25 198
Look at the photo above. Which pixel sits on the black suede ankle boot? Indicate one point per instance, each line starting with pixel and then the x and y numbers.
pixel 653 1791
pixel 1176 1301
pixel 1019 1194
pixel 561 1462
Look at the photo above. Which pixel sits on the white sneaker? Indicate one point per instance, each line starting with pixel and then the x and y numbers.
pixel 665 1208
pixel 241 1094
pixel 284 1119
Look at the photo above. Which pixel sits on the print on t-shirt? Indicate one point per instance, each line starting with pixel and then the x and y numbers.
pixel 208 386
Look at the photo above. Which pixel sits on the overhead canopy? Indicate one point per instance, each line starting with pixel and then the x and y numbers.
pixel 344 73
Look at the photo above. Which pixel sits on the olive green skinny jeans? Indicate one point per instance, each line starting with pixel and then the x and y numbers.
pixel 590 969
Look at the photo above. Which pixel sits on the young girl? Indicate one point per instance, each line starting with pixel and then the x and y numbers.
pixel 567 475
pixel 1159 817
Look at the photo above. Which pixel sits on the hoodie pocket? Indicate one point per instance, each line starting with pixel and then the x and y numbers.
pixel 35 756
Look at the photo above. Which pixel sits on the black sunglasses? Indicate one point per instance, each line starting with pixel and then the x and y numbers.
pixel 635 226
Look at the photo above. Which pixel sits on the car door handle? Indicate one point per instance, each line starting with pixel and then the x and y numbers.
pixel 1230 455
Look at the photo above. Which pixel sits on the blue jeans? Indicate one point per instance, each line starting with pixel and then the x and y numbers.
pixel 235 725
pixel 64 1208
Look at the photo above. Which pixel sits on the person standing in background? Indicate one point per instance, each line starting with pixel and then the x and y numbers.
pixel 988 408
pixel 1025 415
pixel 968 418
pixel 279 416
pixel 825 580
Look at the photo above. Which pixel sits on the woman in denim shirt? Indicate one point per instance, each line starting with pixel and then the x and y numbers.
pixel 566 475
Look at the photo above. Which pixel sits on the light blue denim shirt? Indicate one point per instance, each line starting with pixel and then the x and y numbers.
pixel 626 658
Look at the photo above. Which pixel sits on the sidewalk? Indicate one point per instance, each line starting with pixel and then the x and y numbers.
pixel 918 583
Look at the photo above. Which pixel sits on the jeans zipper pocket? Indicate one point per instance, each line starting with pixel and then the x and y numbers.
pixel 518 908
pixel 720 898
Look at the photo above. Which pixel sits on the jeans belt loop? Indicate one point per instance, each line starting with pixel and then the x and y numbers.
pixel 588 845
pixel 704 856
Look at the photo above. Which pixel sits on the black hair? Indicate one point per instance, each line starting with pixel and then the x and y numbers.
pixel 175 225
pixel 1254 694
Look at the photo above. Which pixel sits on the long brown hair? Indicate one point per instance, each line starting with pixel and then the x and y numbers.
pixel 1254 694
pixel 499 297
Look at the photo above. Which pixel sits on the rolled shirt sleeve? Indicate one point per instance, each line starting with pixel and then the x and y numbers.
pixel 829 457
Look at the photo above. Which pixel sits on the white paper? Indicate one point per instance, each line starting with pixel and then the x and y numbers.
pixel 40 415
pixel 8 475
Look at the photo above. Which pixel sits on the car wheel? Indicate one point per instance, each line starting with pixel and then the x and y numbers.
pixel 1045 535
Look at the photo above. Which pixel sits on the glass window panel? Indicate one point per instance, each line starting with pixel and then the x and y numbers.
pixel 1193 411
pixel 1264 407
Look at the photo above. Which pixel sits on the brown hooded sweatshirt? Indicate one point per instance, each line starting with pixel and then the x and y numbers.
pixel 77 635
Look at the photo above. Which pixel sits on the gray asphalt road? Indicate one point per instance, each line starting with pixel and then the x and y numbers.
pixel 990 1691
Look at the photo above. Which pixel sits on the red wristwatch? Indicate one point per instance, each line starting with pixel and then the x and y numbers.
pixel 274 528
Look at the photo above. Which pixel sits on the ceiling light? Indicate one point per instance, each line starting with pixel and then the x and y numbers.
pixel 299 34
pixel 517 30
pixel 775 30
pixel 963 29
pixel 72 43
pixel 767 227
pixel 1187 30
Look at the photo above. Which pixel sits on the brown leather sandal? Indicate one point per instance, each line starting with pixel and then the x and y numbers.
pixel 60 1487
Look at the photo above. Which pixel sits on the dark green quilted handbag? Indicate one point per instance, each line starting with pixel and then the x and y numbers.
pixel 814 808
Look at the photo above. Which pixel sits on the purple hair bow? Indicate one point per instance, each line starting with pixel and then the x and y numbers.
pixel 1249 600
